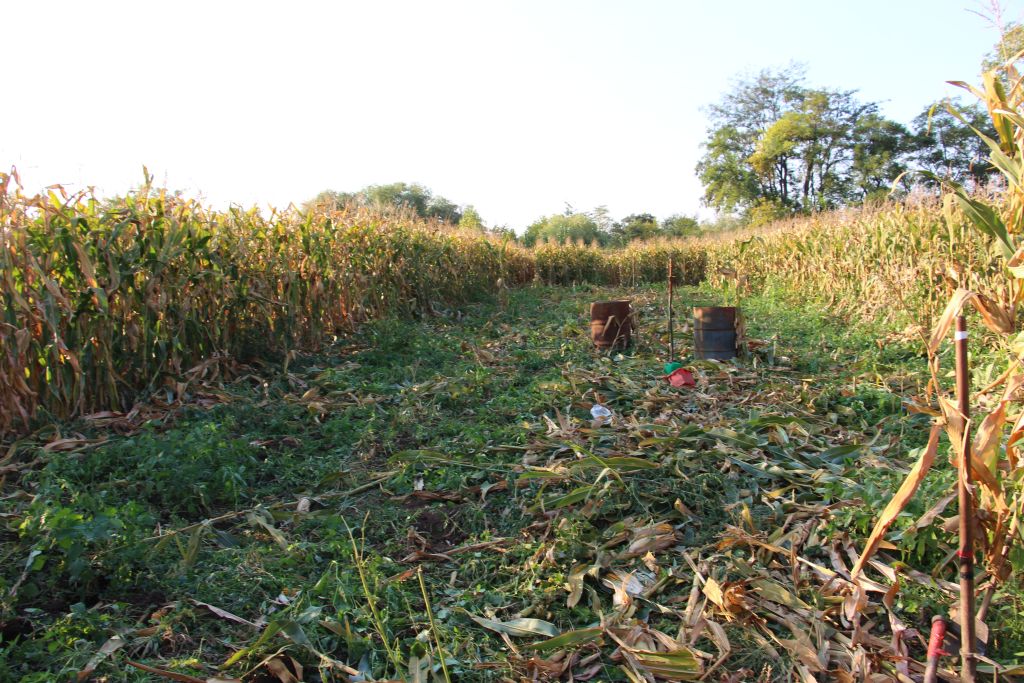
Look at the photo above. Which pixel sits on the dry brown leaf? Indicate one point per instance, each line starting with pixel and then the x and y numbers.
pixel 224 614
pixel 713 590
pixel 995 317
pixel 69 444
pixel 574 584
pixel 174 676
pixel 990 432
pixel 650 539
pixel 656 655
pixel 281 670
pixel 108 648
pixel 954 422
pixel 953 308
pixel 801 647
pixel 986 478
pixel 927 518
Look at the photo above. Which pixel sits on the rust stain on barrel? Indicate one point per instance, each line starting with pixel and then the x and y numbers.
pixel 611 323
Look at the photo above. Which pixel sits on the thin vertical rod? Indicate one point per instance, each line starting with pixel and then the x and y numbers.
pixel 671 338
pixel 966 552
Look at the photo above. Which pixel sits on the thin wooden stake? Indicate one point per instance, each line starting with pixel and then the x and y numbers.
pixel 966 551
pixel 671 339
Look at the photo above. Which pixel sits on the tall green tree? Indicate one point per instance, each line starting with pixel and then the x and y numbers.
pixel 945 145
pixel 471 219
pixel 332 200
pixel 637 226
pixel 777 147
pixel 881 151
pixel 678 225
pixel 416 197
pixel 411 196
pixel 603 218
pixel 565 227
pixel 738 124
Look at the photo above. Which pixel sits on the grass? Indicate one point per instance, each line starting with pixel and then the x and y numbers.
pixel 413 385
pixel 460 445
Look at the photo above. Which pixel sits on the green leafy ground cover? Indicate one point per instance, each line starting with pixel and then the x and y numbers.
pixel 291 524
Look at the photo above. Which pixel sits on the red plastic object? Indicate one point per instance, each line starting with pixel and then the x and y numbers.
pixel 681 378
pixel 935 644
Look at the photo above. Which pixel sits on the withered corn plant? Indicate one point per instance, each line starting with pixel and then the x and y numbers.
pixel 889 261
pixel 994 289
pixel 638 263
pixel 103 300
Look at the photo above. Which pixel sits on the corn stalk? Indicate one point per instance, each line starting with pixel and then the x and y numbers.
pixel 994 460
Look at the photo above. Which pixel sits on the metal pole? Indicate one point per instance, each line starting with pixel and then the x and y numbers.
pixel 966 509
pixel 671 339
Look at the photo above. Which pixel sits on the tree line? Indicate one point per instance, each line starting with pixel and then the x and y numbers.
pixel 590 227
pixel 774 147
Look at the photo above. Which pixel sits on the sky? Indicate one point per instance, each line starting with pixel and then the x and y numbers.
pixel 519 108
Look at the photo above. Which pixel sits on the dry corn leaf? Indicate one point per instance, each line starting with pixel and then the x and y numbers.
pixel 282 671
pixel 568 639
pixel 996 318
pixel 518 627
pixel 899 501
pixel 945 322
pixel 224 614
pixel 108 648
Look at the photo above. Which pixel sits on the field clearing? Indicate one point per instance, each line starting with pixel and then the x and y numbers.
pixel 285 517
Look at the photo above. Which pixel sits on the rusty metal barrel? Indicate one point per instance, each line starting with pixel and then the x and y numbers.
pixel 611 324
pixel 714 332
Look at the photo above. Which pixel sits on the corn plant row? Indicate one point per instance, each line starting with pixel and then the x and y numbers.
pixel 638 263
pixel 893 261
pixel 104 300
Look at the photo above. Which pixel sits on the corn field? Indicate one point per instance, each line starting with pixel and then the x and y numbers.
pixel 894 262
pixel 928 261
pixel 638 263
pixel 106 300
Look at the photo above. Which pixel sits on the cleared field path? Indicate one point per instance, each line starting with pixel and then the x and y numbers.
pixel 290 521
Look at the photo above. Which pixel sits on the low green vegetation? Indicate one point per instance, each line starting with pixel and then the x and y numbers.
pixel 283 518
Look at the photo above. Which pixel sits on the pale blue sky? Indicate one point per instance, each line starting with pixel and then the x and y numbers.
pixel 516 107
